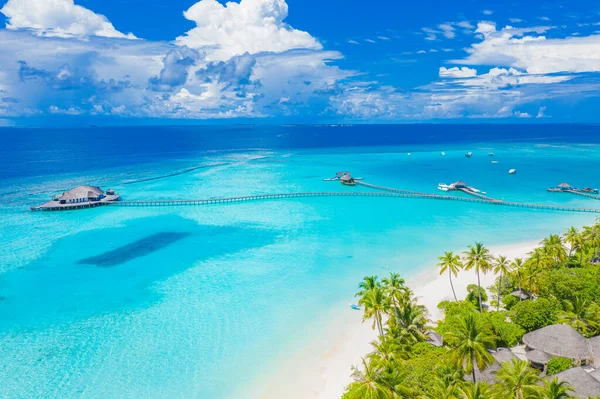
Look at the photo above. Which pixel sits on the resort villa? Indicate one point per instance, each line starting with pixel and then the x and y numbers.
pixel 79 197
pixel 558 340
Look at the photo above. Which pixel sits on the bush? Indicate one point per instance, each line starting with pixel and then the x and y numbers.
pixel 535 314
pixel 558 364
pixel 509 301
pixel 507 334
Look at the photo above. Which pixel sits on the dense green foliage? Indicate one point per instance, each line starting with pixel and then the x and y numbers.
pixel 558 364
pixel 532 315
pixel 565 287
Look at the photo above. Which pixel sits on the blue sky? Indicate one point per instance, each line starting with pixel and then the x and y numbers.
pixel 309 61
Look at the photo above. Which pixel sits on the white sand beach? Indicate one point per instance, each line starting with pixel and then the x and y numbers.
pixel 347 339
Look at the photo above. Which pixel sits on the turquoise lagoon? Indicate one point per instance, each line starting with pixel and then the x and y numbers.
pixel 202 301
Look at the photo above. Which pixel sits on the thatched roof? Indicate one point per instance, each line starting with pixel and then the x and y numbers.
pixel 564 185
pixel 460 183
pixel 82 192
pixel 595 346
pixel 489 374
pixel 434 338
pixel 521 294
pixel 582 382
pixel 537 356
pixel 558 340
pixel 596 374
pixel 346 178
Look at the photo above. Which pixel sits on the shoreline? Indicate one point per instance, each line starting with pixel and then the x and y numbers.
pixel 322 370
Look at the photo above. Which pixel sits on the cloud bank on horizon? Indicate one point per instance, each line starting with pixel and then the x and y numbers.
pixel 242 60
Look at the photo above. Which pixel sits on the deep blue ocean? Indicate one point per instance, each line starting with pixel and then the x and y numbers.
pixel 202 302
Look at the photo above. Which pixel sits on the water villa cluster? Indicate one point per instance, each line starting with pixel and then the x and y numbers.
pixel 567 188
pixel 79 198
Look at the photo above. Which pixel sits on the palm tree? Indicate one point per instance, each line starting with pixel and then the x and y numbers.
pixel 478 258
pixel 469 340
pixel 387 350
pixel 396 289
pixel 554 246
pixel 555 389
pixel 502 267
pixel 367 383
pixel 581 315
pixel 479 390
pixel 375 304
pixel 368 283
pixel 570 237
pixel 592 235
pixel 517 380
pixel 517 266
pixel 451 263
pixel 444 390
pixel 408 322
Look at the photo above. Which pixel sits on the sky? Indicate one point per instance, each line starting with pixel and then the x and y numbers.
pixel 298 61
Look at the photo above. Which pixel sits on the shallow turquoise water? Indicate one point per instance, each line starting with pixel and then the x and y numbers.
pixel 199 301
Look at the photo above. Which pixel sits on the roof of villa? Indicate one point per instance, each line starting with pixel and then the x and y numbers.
pixel 558 340
pixel 537 356
pixel 460 183
pixel 595 345
pixel 346 177
pixel 520 294
pixel 434 338
pixel 564 185
pixel 489 374
pixel 582 382
pixel 81 192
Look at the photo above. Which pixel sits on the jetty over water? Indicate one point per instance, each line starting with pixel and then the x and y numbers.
pixel 110 198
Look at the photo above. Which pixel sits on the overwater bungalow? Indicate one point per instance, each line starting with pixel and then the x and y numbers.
pixel 460 184
pixel 347 180
pixel 78 198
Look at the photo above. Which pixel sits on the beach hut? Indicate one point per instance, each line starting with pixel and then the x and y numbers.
pixel 434 339
pixel 521 294
pixel 489 374
pixel 565 186
pixel 460 184
pixel 347 180
pixel 82 194
pixel 538 359
pixel 559 340
pixel 583 383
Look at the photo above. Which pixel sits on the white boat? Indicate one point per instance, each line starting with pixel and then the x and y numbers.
pixel 443 187
pixel 409 154
pixel 494 162
pixel 443 154
pixel 490 154
pixel 469 154
pixel 355 307
pixel 512 171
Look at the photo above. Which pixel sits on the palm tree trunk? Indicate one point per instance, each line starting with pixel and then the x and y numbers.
pixel 378 320
pixel 581 258
pixel 452 285
pixel 473 374
pixel 499 288
pixel 520 291
pixel 479 292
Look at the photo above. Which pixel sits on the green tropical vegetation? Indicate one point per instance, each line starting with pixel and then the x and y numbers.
pixel 558 282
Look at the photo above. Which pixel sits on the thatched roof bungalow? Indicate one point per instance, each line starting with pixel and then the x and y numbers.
pixel 82 194
pixel 489 374
pixel 559 340
pixel 584 384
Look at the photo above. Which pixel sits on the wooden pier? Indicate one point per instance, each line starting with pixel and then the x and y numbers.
pixel 414 195
pixel 588 195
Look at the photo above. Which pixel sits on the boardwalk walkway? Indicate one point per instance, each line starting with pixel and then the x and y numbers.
pixel 592 196
pixel 408 194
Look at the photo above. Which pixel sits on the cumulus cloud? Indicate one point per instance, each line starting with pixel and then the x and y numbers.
pixel 457 72
pixel 175 70
pixel 58 18
pixel 517 47
pixel 447 30
pixel 250 26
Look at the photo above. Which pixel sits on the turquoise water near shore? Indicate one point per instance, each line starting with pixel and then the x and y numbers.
pixel 200 301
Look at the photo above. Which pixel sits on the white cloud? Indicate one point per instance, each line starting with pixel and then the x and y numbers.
pixel 457 72
pixel 383 37
pixel 541 113
pixel 465 25
pixel 515 20
pixel 250 26
pixel 431 34
pixel 58 18
pixel 544 18
pixel 447 30
pixel 353 42
pixel 536 54
pixel 487 12
pixel 421 52
pixel 370 41
pixel 520 114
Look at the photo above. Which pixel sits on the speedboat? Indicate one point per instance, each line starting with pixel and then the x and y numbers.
pixel 355 306
pixel 443 187
pixel 512 171
pixel 494 162
pixel 443 154
pixel 490 154
pixel 469 154
pixel 409 154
